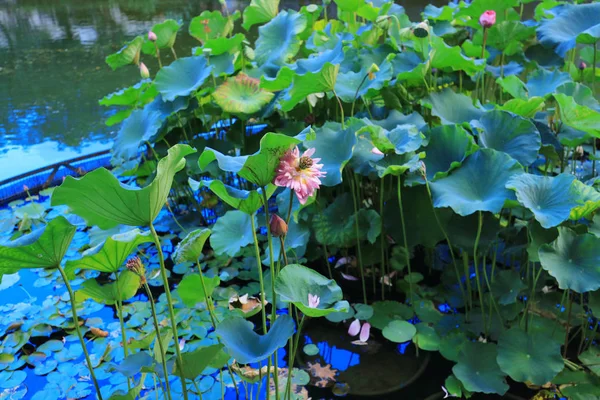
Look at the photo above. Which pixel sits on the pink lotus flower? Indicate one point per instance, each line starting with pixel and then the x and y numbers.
pixel 488 19
pixel 299 173
pixel 582 66
pixel 152 36
pixel 313 300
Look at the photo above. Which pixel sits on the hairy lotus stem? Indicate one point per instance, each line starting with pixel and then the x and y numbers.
pixel 161 348
pixel 341 110
pixel 119 306
pixel 76 322
pixel 163 272
pixel 405 238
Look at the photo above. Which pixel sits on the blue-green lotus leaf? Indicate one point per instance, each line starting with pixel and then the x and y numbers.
pixel 278 40
pixel 409 67
pixel 478 185
pixel 445 57
pixel 543 82
pixel 588 201
pixel 42 248
pixel 396 118
pixel 304 85
pixel 448 146
pixel 182 77
pixel 478 370
pixel 295 283
pixel 576 116
pixel 141 126
pixel 190 248
pixel 507 286
pixel 167 108
pixel 574 260
pixel 582 94
pixel 512 68
pixel 258 168
pixel 398 164
pixel 334 146
pixel 248 201
pixel 452 107
pixel 402 139
pixel 529 357
pixel 109 255
pixel 510 133
pixel 571 24
pixel 100 199
pixel 316 61
pixel 550 199
pixel 232 232
pixel 247 346
pixel 349 83
pixel 259 11
pixel 133 364
pixel 363 156
pixel 399 331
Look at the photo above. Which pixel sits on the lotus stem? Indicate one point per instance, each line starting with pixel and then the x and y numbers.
pixel 119 306
pixel 382 237
pixel 76 322
pixel 260 275
pixel 569 309
pixel 158 338
pixel 173 52
pixel 341 110
pixel 163 272
pixel 407 253
pixel 594 68
pixel 485 35
pixel 293 350
pixel 356 94
pixel 357 233
pixel 274 274
pixel 477 280
pixel 157 55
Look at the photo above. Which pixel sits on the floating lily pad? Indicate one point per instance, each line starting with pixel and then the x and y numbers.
pixel 478 185
pixel 387 311
pixel 478 370
pixel 310 350
pixel 399 331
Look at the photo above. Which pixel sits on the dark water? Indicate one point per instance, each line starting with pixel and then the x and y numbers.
pixel 52 70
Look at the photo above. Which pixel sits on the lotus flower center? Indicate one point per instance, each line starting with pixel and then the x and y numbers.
pixel 305 162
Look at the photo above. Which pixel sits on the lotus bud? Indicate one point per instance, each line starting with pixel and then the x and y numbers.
pixel 582 65
pixel 136 266
pixel 374 68
pixel 25 188
pixel 152 36
pixel 487 19
pixel 421 30
pixel 278 226
pixel 144 71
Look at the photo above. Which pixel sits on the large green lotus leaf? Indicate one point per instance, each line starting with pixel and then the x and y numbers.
pixel 396 118
pixel 582 94
pixel 402 139
pixel 574 260
pixel 322 81
pixel 190 248
pixel 543 82
pixel 210 25
pixel 513 86
pixel 510 133
pixel 129 54
pixel 571 24
pixel 508 36
pixel 363 156
pixel 259 12
pixel 109 255
pixel 232 232
pixel 166 33
pixel 529 357
pixel 295 283
pixel 182 77
pixel 550 199
pixel 122 289
pixel 399 331
pixel 334 146
pixel 242 95
pixel 397 164
pixel 537 237
pixel 128 96
pixel 588 201
pixel 448 147
pixel 248 201
pixel 191 290
pixel 258 168
pixel 283 80
pixel 577 116
pixel 348 83
pixel 141 127
pixel 478 370
pixel 409 68
pixel 478 185
pixel 221 45
pixel 334 226
pixel 418 212
pixel 247 346
pixel 194 362
pixel 278 40
pixel 591 359
pixel 317 61
pixel 444 57
pixel 463 230
pixel 452 107
pixel 102 200
pixel 507 286
pixel 42 248
pixel 526 108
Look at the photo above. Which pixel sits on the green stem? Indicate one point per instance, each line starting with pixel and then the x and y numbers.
pixel 382 237
pixel 357 233
pixel 407 251
pixel 157 55
pixel 76 323
pixel 260 275
pixel 475 247
pixel 341 110
pixel 594 68
pixel 356 94
pixel 292 358
pixel 570 308
pixel 163 353
pixel 485 34
pixel 119 306
pixel 173 52
pixel 163 272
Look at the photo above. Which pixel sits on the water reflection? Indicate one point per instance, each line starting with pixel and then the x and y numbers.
pixel 52 69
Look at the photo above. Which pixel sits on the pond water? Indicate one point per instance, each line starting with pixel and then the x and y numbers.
pixel 52 70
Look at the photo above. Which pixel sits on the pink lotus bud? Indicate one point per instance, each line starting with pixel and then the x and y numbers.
pixel 313 300
pixel 278 226
pixel 144 71
pixel 354 328
pixel 488 19
pixel 582 65
pixel 152 36
pixel 376 151
pixel 365 332
pixel 25 188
